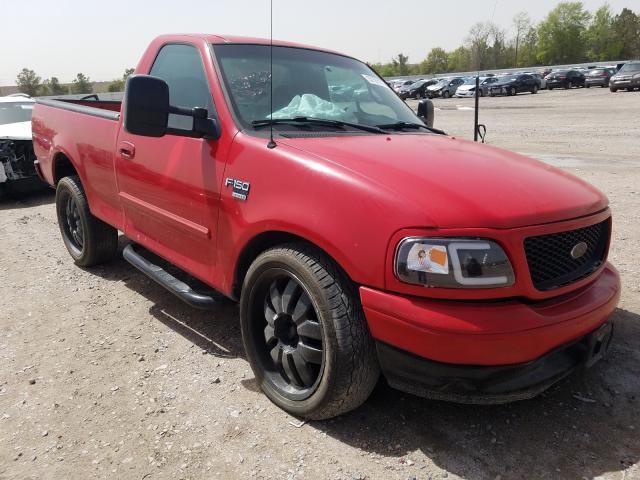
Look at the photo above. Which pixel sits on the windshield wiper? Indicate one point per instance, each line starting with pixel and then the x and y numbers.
pixel 315 121
pixel 409 125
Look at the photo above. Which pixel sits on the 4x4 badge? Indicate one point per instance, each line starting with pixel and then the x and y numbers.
pixel 240 188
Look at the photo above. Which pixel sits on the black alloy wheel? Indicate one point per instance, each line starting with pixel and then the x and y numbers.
pixel 305 334
pixel 287 334
pixel 73 225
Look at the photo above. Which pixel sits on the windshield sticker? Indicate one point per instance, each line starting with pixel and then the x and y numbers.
pixel 373 80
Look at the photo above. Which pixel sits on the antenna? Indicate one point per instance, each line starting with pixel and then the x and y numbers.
pixel 272 143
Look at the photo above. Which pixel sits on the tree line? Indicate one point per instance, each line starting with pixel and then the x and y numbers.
pixel 568 34
pixel 30 83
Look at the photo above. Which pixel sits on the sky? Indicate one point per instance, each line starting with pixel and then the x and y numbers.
pixel 101 39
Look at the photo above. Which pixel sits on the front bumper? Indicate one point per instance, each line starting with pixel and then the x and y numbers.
pixel 626 83
pixel 492 333
pixel 491 385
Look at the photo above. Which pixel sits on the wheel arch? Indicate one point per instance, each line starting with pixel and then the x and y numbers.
pixel 63 166
pixel 262 242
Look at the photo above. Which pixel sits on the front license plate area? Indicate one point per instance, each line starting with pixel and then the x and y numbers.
pixel 598 344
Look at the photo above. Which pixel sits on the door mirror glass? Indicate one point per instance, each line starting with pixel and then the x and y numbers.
pixel 146 106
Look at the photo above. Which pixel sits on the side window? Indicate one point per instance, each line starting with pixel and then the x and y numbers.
pixel 181 67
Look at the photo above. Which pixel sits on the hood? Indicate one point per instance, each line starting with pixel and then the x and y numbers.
pixel 16 131
pixel 458 183
pixel 436 86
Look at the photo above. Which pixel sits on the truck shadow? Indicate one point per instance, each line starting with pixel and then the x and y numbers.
pixel 217 332
pixel 15 200
pixel 587 425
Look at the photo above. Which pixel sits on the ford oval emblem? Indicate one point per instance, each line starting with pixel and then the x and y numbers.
pixel 578 250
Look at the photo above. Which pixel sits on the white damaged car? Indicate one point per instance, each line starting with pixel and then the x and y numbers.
pixel 16 148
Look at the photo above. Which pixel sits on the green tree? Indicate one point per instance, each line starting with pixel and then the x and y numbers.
pixel 118 84
pixel 523 26
pixel 477 43
pixel 498 54
pixel 437 61
pixel 459 60
pixel 400 64
pixel 602 41
pixel 561 35
pixel 81 84
pixel 52 86
pixel 28 82
pixel 627 32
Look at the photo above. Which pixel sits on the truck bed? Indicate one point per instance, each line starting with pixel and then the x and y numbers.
pixel 86 131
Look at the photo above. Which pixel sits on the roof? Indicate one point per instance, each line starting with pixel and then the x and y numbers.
pixel 222 39
pixel 17 99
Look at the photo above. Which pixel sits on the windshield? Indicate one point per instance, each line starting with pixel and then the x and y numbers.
pixel 306 83
pixel 15 112
pixel 630 67
pixel 509 78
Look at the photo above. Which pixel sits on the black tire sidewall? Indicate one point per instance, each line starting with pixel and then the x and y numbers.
pixel 309 282
pixel 64 190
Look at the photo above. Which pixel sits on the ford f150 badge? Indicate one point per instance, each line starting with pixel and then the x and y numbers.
pixel 240 188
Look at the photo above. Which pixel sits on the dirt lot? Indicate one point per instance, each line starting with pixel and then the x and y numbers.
pixel 105 375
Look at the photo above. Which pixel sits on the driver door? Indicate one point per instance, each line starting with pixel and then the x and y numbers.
pixel 168 185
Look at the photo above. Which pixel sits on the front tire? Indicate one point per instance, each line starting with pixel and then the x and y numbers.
pixel 89 240
pixel 446 94
pixel 305 334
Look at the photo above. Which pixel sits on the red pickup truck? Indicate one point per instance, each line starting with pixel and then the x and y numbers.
pixel 357 239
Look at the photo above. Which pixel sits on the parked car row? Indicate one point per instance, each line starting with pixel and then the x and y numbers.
pixel 626 77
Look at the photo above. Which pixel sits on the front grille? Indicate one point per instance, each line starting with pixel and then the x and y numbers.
pixel 549 256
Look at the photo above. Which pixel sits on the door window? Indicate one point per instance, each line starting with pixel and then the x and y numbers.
pixel 181 67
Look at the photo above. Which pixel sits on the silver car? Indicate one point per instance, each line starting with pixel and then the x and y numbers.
pixel 627 77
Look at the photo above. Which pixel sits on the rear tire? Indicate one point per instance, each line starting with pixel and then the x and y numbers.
pixel 586 85
pixel 535 89
pixel 568 85
pixel 316 364
pixel 88 239
pixel 614 90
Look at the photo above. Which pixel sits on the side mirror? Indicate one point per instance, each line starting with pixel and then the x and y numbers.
pixel 426 112
pixel 146 106
pixel 147 110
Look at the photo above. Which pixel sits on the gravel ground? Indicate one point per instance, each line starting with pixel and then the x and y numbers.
pixel 103 374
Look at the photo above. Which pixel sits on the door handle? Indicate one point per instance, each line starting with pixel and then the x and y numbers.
pixel 127 150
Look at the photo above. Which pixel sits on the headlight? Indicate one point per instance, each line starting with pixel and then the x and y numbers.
pixel 453 263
